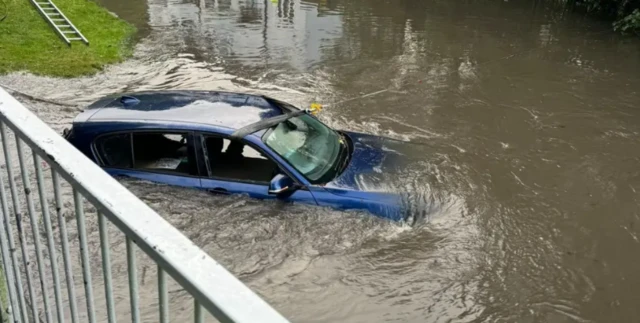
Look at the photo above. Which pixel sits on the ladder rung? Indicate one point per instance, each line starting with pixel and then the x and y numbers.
pixel 62 25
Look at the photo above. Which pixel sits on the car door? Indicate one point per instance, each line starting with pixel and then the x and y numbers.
pixel 239 167
pixel 161 156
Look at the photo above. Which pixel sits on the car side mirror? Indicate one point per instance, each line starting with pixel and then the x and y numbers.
pixel 281 184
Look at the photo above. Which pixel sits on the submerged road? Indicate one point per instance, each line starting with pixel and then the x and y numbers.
pixel 529 135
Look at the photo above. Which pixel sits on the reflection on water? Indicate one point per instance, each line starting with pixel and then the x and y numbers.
pixel 529 145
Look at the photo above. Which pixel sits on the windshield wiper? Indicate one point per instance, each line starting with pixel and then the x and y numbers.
pixel 347 153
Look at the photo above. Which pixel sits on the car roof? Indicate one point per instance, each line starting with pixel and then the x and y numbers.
pixel 221 109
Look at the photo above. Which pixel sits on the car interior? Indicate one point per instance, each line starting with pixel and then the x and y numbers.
pixel 166 152
pixel 234 160
pixel 115 150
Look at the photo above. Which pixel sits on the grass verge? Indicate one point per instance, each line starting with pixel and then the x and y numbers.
pixel 29 43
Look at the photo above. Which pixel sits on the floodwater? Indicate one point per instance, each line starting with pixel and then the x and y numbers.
pixel 529 146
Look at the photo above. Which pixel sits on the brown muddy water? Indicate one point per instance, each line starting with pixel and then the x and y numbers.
pixel 530 146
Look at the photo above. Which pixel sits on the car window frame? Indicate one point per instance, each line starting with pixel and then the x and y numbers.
pixel 202 150
pixel 190 139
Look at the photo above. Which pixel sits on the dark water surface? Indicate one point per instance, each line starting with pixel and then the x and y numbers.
pixel 529 128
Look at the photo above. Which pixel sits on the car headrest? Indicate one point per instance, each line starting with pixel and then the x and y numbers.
pixel 214 145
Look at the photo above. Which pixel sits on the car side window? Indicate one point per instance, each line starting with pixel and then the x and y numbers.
pixel 233 160
pixel 163 152
pixel 115 150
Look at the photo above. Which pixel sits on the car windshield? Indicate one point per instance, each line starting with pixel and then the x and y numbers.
pixel 308 145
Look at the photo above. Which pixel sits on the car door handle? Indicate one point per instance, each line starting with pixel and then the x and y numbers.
pixel 218 190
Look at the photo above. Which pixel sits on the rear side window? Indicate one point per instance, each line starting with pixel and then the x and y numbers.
pixel 115 150
pixel 150 151
pixel 163 152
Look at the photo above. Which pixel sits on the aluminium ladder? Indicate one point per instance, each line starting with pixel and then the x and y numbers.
pixel 59 21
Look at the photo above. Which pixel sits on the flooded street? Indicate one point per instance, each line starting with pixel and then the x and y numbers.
pixel 529 135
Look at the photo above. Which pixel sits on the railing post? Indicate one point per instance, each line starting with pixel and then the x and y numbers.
pixel 133 281
pixel 84 255
pixel 33 219
pixel 64 242
pixel 106 267
pixel 18 215
pixel 50 242
pixel 163 296
pixel 198 316
pixel 8 255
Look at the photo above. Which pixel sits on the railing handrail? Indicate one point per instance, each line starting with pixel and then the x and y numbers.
pixel 216 289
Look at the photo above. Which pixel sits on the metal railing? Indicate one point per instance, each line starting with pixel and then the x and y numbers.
pixel 45 289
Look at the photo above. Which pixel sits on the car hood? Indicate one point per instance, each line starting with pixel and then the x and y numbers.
pixel 388 171
pixel 374 161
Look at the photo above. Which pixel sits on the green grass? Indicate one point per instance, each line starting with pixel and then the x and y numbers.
pixel 29 43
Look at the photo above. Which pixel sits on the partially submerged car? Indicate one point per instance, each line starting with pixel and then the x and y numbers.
pixel 234 143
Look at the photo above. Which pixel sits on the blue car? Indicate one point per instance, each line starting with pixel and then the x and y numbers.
pixel 234 143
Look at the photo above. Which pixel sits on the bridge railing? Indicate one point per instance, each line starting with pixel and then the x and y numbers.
pixel 58 238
